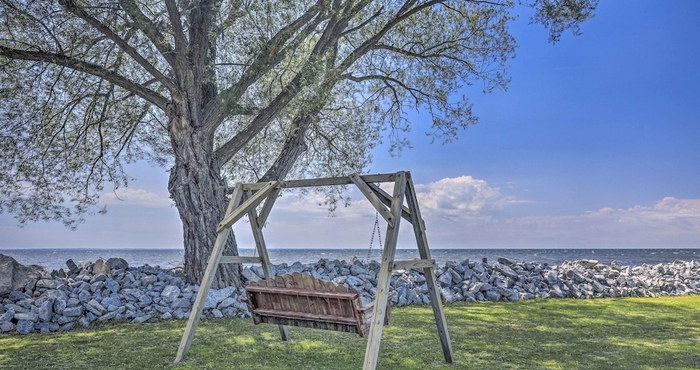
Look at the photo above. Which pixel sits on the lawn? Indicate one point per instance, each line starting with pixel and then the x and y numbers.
pixel 643 333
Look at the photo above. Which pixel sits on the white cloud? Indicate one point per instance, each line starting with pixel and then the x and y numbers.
pixel 136 197
pixel 461 197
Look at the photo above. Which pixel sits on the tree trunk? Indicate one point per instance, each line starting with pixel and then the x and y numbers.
pixel 198 191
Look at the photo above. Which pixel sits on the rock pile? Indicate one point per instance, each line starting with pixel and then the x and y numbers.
pixel 104 291
pixel 508 280
pixel 111 290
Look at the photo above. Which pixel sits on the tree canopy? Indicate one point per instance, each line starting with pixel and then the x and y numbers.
pixel 233 90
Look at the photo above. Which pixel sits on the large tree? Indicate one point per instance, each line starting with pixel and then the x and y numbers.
pixel 231 90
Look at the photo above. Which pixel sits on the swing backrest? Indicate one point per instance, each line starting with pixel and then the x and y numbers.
pixel 300 300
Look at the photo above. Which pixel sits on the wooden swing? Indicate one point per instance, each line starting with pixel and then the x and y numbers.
pixel 302 301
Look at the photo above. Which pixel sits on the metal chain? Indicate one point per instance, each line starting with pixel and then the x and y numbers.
pixel 376 229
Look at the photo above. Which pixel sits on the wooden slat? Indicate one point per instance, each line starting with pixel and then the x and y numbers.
pixel 348 328
pixel 301 292
pixel 251 202
pixel 207 279
pixel 305 316
pixel 239 259
pixel 382 298
pixel 373 199
pixel 267 207
pixel 327 181
pixel 386 199
pixel 413 264
pixel 260 246
pixel 424 252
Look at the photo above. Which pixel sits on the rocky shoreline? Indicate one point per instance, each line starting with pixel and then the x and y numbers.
pixel 32 299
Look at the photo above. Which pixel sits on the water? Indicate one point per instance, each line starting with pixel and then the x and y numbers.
pixel 169 258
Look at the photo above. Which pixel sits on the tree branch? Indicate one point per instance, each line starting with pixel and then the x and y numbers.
pixel 271 54
pixel 149 29
pixel 73 7
pixel 89 68
pixel 178 31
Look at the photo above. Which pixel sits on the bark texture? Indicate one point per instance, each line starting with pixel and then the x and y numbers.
pixel 198 191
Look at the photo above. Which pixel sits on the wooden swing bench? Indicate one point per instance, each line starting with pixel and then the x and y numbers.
pixel 300 300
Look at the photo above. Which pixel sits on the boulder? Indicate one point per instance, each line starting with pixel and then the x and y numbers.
pixel 15 276
pixel 100 267
pixel 117 264
pixel 72 267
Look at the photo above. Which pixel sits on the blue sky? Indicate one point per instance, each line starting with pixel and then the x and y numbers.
pixel 594 145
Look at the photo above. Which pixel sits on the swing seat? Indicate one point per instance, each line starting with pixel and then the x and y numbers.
pixel 300 300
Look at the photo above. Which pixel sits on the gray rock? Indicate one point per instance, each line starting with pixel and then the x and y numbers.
pixel 96 306
pixel 141 319
pixel 73 311
pixel 556 292
pixel 49 284
pixel 506 261
pixel 6 327
pixel 297 267
pixel 505 270
pixel 72 267
pixel 7 316
pixel 27 316
pixel 45 311
pixel 84 322
pixel 492 295
pixel 354 281
pixel 97 286
pixel 587 264
pixel 16 295
pixel 25 327
pixel 181 303
pixel 145 299
pixel 445 280
pixel 107 316
pixel 43 327
pixel 15 276
pixel 117 264
pixel 357 270
pixel 456 277
pixel 100 267
pixel 215 296
pixel 112 285
pixel 249 274
pixel 229 301
pixel 149 279
pixel 163 309
pixel 216 313
pixel 166 316
pixel 447 295
pixel 476 287
pixel 170 293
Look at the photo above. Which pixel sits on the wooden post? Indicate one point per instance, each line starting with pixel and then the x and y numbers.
pixel 387 266
pixel 262 248
pixel 209 274
pixel 429 272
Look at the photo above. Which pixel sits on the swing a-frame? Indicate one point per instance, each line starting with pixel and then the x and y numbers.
pixel 302 301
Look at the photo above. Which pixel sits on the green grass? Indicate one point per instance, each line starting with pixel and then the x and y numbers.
pixel 656 333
